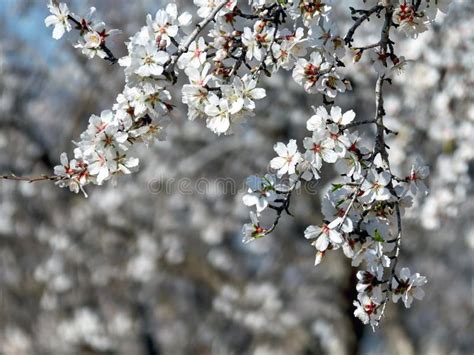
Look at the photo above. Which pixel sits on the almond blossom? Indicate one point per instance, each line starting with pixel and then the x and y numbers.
pixel 195 56
pixel 288 158
pixel 307 73
pixel 311 10
pixel 149 60
pixel 330 84
pixel 58 19
pixel 246 88
pixel 165 25
pixel 368 308
pixel 418 173
pixel 261 192
pixel 219 113
pixel 412 22
pixel 252 231
pixel 407 287
pixel 70 172
pixel 319 148
pixel 324 236
pixel 375 186
pixel 340 118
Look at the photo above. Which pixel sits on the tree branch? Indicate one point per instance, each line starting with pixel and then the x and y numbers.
pixel 31 179
pixel 365 17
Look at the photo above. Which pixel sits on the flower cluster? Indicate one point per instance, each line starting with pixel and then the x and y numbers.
pixel 93 33
pixel 320 38
pixel 359 212
pixel 410 17
pixel 414 19
pixel 222 72
pixel 140 113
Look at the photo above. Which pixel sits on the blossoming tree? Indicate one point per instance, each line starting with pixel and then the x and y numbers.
pixel 225 55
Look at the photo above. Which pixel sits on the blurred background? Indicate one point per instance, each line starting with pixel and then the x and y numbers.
pixel 142 269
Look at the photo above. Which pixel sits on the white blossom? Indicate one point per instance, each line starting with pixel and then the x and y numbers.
pixel 341 118
pixel 288 158
pixel 219 113
pixel 261 192
pixel 330 84
pixel 58 19
pixel 324 236
pixel 166 23
pixel 246 88
pixel 307 73
pixel 368 307
pixel 195 56
pixel 407 287
pixel 375 186
pixel 252 231
pixel 418 173
pixel 411 22
pixel 222 62
pixel 319 148
pixel 149 60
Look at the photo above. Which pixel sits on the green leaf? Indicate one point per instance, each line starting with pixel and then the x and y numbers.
pixel 378 237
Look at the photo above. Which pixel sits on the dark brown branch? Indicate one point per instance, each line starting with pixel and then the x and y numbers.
pixel 365 17
pixel 31 179
pixel 363 48
pixel 358 123
pixel 110 56
pixel 284 207
pixel 380 146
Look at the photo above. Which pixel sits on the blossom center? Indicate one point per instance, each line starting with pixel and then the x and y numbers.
pixel 370 308
pixel 316 148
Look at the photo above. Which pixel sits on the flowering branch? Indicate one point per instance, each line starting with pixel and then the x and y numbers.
pixel 358 211
pixel 84 27
pixel 92 33
pixel 223 66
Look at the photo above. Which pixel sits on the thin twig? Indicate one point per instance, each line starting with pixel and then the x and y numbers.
pixel 365 17
pixel 358 123
pixel 399 241
pixel 31 179
pixel 284 207
pixel 363 48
